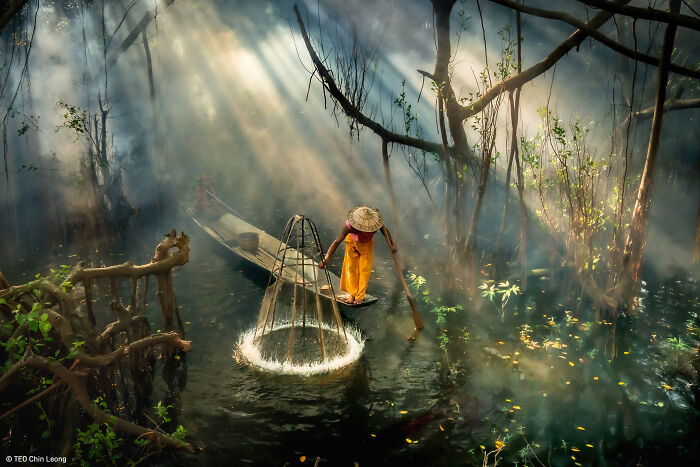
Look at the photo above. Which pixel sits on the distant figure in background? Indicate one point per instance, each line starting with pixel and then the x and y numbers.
pixel 202 199
pixel 358 232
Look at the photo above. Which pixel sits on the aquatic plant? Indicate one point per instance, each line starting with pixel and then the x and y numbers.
pixel 504 289
pixel 437 308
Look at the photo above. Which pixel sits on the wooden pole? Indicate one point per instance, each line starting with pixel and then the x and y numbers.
pixel 417 320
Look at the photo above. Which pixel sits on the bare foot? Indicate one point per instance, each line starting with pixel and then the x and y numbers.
pixel 358 301
pixel 349 299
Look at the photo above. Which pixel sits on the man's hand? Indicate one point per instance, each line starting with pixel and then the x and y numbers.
pixel 322 264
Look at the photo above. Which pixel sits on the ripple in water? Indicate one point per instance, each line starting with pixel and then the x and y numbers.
pixel 269 352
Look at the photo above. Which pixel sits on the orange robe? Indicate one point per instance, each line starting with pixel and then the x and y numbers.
pixel 357 267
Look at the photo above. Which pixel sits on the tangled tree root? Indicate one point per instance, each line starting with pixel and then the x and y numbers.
pixel 52 320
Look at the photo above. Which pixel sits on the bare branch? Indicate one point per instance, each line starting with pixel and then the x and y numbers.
pixel 600 37
pixel 150 341
pixel 326 79
pixel 136 32
pixel 534 71
pixel 160 264
pixel 76 382
pixel 119 326
pixel 651 14
pixel 669 105
pixel 32 399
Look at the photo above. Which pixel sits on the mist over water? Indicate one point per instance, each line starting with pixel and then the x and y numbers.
pixel 230 100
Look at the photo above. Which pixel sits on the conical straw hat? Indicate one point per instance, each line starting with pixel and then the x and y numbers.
pixel 365 219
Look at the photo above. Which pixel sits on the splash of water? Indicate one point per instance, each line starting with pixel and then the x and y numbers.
pixel 250 348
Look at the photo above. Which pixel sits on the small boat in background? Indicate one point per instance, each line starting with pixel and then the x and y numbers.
pixel 227 227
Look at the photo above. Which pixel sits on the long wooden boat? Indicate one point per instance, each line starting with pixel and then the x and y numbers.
pixel 227 227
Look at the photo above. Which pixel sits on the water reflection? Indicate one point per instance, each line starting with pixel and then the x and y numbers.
pixel 536 376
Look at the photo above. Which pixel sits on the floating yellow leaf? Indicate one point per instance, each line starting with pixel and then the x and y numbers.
pixel 516 407
pixel 507 400
pixel 667 387
pixel 302 458
pixel 575 449
pixel 373 435
pixel 573 457
pixel 404 412
pixel 515 362
pixel 626 353
pixel 414 442
pixel 589 445
pixel 500 444
pixel 408 440
pixel 441 428
pixel 595 378
pixel 571 363
pixel 482 447
pixel 580 428
pixel 500 343
pixel 621 383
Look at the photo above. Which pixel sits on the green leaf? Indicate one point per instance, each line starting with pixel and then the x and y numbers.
pixel 44 316
pixel 45 327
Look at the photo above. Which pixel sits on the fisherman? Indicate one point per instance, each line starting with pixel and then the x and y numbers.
pixel 358 232
pixel 202 203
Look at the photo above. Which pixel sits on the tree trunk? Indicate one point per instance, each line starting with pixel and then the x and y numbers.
pixel 148 16
pixel 523 223
pixel 390 186
pixel 513 145
pixel 634 246
pixel 460 152
pixel 156 132
pixel 474 223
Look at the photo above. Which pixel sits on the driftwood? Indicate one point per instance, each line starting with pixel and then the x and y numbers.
pixel 107 353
